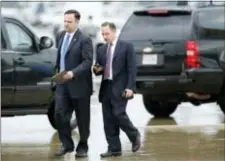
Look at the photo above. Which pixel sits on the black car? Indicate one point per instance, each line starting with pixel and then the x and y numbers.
pixel 180 55
pixel 27 65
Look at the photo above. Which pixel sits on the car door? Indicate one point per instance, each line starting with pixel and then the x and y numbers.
pixel 31 66
pixel 7 73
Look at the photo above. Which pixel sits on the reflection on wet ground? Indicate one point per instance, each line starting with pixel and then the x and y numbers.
pixel 191 134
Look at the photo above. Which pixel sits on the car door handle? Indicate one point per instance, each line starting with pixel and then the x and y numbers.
pixel 44 84
pixel 19 61
pixel 48 62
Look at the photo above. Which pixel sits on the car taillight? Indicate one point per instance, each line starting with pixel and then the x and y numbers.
pixel 193 55
pixel 158 11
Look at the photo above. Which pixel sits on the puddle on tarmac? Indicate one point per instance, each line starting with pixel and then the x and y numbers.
pixel 162 140
pixel 195 134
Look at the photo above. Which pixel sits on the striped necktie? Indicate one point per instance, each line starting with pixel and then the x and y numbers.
pixel 108 62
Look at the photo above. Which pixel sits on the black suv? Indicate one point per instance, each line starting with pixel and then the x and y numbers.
pixel 27 65
pixel 180 55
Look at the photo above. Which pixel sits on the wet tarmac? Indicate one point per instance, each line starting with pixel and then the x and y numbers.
pixel 191 134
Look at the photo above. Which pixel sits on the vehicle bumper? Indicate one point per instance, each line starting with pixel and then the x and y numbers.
pixel 205 81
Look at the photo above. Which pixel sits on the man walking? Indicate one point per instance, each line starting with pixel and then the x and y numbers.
pixel 75 56
pixel 117 63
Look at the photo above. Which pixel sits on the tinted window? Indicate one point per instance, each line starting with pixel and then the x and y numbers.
pixel 3 43
pixel 148 27
pixel 18 37
pixel 211 24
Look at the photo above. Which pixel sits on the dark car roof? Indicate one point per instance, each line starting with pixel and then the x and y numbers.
pixel 9 16
pixel 17 18
pixel 172 7
pixel 211 7
pixel 31 28
pixel 184 8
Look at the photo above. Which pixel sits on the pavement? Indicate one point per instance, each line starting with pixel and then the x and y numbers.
pixel 191 134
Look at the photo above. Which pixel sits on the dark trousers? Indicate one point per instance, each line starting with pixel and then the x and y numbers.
pixel 115 117
pixel 64 107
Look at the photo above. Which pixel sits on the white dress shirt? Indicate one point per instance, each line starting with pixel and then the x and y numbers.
pixel 112 54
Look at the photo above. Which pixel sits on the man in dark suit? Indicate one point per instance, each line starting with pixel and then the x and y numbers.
pixel 116 62
pixel 75 57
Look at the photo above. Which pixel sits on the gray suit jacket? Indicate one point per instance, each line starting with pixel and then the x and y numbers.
pixel 78 59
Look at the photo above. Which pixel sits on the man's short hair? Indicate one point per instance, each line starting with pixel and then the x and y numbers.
pixel 75 12
pixel 110 24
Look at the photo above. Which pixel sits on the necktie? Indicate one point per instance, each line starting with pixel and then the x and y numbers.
pixel 63 52
pixel 108 62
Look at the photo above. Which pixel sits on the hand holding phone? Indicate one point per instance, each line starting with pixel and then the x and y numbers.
pixel 97 69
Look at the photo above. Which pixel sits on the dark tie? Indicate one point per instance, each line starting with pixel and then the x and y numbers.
pixel 108 60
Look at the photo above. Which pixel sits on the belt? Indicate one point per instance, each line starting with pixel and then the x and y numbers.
pixel 107 81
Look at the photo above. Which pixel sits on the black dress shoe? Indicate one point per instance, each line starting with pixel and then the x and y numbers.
pixel 81 154
pixel 111 154
pixel 82 146
pixel 63 151
pixel 137 144
pixel 82 149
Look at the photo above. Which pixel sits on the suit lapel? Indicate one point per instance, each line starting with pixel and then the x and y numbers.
pixel 105 53
pixel 59 45
pixel 74 39
pixel 117 49
pixel 61 41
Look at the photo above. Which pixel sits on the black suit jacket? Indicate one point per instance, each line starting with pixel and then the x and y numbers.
pixel 123 66
pixel 78 59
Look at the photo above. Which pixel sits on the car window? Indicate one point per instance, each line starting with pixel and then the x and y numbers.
pixel 211 24
pixel 18 37
pixel 143 26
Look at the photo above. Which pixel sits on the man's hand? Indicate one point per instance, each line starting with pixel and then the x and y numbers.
pixel 69 75
pixel 97 69
pixel 129 93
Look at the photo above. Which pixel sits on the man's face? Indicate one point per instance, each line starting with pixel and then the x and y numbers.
pixel 108 34
pixel 70 23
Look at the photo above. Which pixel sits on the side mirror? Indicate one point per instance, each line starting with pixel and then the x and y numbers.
pixel 45 42
pixel 222 59
pixel 92 35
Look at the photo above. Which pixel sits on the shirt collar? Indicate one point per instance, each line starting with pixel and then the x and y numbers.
pixel 114 42
pixel 71 34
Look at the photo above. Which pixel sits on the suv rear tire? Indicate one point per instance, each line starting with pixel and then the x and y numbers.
pixel 221 100
pixel 221 103
pixel 50 114
pixel 159 109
